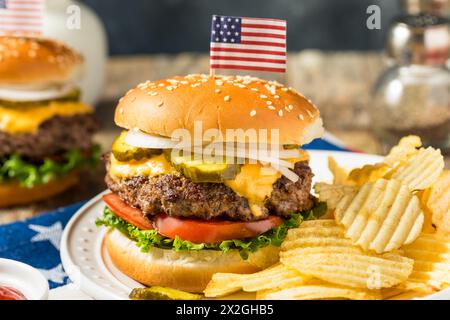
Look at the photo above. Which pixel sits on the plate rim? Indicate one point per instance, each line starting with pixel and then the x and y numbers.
pixel 96 291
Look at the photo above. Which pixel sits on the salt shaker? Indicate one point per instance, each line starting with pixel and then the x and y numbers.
pixel 412 95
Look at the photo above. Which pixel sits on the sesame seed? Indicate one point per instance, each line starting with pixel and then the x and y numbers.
pixel 254 89
pixel 301 117
pixel 287 109
pixel 284 89
pixel 170 88
pixel 276 96
pixel 290 107
pixel 161 85
pixel 226 98
pixel 219 82
pixel 271 89
pixel 269 102
pixel 152 94
pixel 252 113
pixel 160 104
pixel 271 107
pixel 121 110
pixel 280 113
pixel 263 96
pixel 309 113
pixel 217 91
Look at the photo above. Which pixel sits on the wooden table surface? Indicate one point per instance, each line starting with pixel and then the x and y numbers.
pixel 338 83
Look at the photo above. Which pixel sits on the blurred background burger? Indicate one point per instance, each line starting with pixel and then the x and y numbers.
pixel 176 220
pixel 45 131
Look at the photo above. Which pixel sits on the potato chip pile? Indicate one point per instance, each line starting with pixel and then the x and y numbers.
pixel 386 235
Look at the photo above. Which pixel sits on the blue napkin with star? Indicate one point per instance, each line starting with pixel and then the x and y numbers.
pixel 36 241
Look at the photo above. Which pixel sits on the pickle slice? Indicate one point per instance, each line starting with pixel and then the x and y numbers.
pixel 124 152
pixel 200 171
pixel 290 146
pixel 162 293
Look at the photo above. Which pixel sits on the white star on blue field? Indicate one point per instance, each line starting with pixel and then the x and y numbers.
pixel 52 233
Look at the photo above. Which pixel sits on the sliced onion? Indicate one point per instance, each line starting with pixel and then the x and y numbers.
pixel 291 175
pixel 14 94
pixel 137 138
pixel 140 139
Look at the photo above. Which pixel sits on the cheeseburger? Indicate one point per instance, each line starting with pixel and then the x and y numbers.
pixel 176 218
pixel 45 131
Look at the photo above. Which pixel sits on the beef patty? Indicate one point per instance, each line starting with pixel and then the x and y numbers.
pixel 55 136
pixel 176 195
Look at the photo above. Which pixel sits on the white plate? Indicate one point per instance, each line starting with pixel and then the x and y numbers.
pixel 23 277
pixel 87 263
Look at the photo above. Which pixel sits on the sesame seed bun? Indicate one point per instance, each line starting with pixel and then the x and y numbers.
pixel 34 61
pixel 186 270
pixel 220 102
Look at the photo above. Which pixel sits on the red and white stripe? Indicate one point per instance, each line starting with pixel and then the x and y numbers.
pixel 24 17
pixel 262 47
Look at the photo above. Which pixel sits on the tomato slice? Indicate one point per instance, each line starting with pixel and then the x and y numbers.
pixel 194 230
pixel 202 231
pixel 126 212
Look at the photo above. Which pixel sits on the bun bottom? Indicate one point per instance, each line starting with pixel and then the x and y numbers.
pixel 189 271
pixel 12 193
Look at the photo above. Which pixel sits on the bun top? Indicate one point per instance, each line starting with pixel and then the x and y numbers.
pixel 219 102
pixel 31 61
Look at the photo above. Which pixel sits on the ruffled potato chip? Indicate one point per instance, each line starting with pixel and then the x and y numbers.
pixel 319 248
pixel 382 216
pixel 275 277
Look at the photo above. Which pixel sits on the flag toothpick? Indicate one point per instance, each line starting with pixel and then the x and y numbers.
pixel 248 44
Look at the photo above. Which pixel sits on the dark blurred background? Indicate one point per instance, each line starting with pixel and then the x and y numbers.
pixel 172 26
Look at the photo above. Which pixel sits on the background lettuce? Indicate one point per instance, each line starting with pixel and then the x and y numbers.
pixel 29 174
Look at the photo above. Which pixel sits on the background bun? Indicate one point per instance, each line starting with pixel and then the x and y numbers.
pixel 187 270
pixel 12 194
pixel 36 61
pixel 221 102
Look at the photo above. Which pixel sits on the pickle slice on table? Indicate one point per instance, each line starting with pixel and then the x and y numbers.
pixel 124 152
pixel 162 293
pixel 199 171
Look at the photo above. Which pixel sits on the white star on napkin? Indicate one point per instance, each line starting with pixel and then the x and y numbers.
pixel 56 274
pixel 52 233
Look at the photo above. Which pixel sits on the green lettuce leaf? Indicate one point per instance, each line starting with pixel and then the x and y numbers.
pixel 30 174
pixel 146 239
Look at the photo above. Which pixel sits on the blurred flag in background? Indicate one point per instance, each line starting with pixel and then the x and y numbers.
pixel 24 17
pixel 248 43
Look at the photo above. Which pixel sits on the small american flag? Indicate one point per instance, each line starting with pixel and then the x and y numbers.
pixel 21 17
pixel 248 43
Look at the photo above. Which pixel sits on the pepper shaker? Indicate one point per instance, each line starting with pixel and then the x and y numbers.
pixel 412 95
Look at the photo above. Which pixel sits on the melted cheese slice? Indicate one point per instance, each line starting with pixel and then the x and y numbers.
pixel 254 183
pixel 28 120
pixel 151 167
